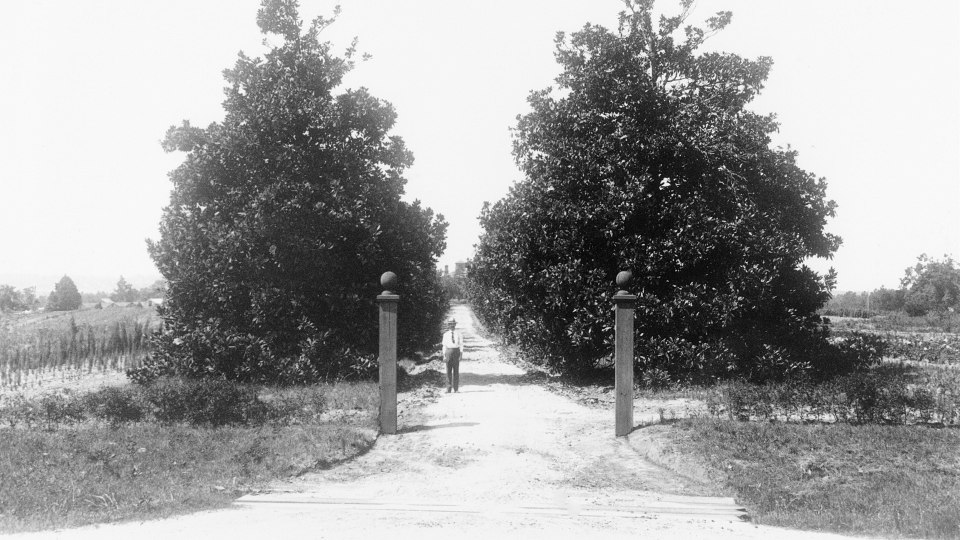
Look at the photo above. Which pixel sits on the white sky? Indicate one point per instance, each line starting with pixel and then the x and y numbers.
pixel 867 91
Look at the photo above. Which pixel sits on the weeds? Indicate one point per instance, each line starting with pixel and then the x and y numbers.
pixel 887 395
pixel 886 480
pixel 98 461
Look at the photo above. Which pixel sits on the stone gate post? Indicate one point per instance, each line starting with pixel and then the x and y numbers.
pixel 624 303
pixel 387 302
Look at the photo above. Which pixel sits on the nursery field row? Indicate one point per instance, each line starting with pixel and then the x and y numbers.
pixel 37 351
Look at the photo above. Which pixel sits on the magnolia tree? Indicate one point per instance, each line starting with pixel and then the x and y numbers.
pixel 282 218
pixel 645 157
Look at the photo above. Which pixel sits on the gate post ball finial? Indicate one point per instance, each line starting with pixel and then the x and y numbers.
pixel 389 282
pixel 623 279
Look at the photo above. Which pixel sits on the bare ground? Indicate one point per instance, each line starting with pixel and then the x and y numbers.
pixel 504 457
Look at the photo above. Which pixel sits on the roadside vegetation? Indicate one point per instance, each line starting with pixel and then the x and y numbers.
pixel 857 479
pixel 174 446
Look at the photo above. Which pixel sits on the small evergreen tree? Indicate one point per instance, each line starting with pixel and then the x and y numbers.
pixel 65 296
pixel 124 292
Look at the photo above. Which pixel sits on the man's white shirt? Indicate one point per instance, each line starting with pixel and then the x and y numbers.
pixel 452 340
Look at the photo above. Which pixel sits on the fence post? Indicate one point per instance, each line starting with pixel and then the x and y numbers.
pixel 623 355
pixel 387 302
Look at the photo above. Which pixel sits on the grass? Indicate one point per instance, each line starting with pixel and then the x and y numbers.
pixel 77 474
pixel 866 479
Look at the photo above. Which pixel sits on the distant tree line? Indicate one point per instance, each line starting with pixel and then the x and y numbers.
pixel 66 297
pixel 931 286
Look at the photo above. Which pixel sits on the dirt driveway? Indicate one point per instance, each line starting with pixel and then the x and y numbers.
pixel 502 458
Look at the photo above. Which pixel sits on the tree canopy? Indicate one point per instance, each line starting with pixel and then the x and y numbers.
pixel 931 285
pixel 284 215
pixel 13 300
pixel 645 157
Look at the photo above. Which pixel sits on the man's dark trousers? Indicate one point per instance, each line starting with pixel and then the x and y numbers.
pixel 452 358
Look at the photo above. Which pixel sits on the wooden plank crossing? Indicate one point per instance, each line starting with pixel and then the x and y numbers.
pixel 713 507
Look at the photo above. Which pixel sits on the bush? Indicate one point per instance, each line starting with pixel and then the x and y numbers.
pixel 115 405
pixel 883 396
pixel 17 410
pixel 168 399
pixel 211 402
pixel 203 402
pixel 60 409
pixel 216 402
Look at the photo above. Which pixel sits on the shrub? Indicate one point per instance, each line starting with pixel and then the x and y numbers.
pixel 210 402
pixel 883 396
pixel 60 409
pixel 17 410
pixel 115 405
pixel 168 399
pixel 218 402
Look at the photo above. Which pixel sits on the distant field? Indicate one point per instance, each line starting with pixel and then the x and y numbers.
pixel 42 349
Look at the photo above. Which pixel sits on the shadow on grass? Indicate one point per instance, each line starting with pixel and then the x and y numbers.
pixel 326 464
pixel 414 429
pixel 658 422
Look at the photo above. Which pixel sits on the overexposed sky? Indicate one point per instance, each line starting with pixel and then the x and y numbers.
pixel 867 91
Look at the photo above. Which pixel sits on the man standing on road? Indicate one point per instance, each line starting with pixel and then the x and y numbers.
pixel 452 350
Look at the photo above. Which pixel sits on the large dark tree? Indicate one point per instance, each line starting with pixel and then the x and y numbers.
pixel 284 215
pixel 645 157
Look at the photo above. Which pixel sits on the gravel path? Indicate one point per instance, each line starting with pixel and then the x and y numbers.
pixel 501 458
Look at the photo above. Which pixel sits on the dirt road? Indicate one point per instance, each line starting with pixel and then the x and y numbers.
pixel 501 458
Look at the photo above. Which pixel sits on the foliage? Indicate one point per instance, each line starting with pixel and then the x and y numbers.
pixel 116 405
pixel 65 296
pixel 202 402
pixel 892 395
pixel 284 215
pixel 453 286
pixel 932 286
pixel 13 300
pixel 647 158
pixel 211 402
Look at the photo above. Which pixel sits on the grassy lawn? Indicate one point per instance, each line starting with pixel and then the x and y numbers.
pixel 93 473
pixel 866 479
